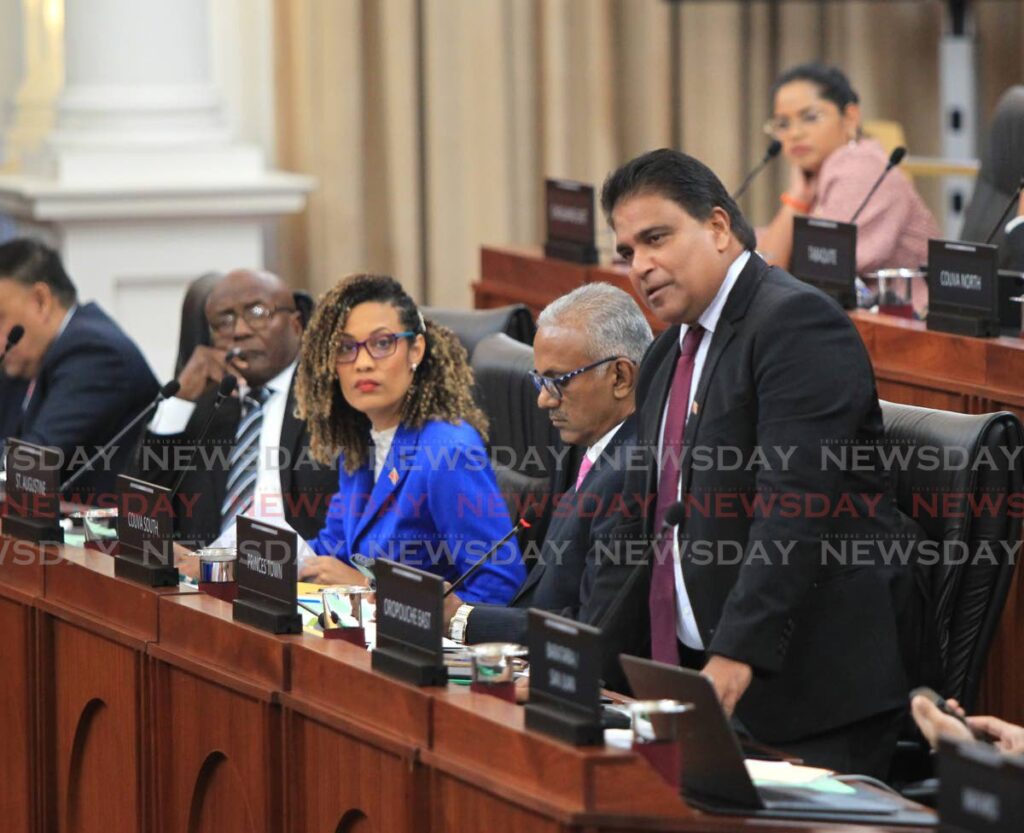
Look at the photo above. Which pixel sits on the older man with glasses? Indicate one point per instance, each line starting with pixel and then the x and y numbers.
pixel 588 347
pixel 255 457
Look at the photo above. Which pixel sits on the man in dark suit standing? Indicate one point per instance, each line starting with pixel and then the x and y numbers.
pixel 774 584
pixel 588 346
pixel 255 458
pixel 75 379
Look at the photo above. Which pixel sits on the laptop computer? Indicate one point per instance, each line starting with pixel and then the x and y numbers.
pixel 714 777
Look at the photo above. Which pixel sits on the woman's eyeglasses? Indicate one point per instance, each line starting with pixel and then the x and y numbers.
pixel 553 385
pixel 379 346
pixel 781 126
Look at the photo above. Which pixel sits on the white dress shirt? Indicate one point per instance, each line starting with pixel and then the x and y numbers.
pixel 594 451
pixel 686 623
pixel 172 417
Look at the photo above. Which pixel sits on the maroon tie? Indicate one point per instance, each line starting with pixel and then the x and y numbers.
pixel 662 600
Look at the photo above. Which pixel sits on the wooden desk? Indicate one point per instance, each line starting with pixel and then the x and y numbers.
pixel 168 716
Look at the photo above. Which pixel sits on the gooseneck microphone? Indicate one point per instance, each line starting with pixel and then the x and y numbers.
pixel 524 523
pixel 13 337
pixel 1002 217
pixel 894 159
pixel 166 392
pixel 769 155
pixel 224 390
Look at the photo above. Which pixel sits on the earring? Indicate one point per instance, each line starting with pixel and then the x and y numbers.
pixel 413 367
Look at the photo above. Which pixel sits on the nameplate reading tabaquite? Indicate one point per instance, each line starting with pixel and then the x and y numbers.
pixel 825 255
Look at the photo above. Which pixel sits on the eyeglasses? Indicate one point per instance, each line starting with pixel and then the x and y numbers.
pixel 256 315
pixel 782 125
pixel 553 385
pixel 379 346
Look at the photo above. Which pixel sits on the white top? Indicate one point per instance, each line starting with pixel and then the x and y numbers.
pixel 381 447
pixel 686 623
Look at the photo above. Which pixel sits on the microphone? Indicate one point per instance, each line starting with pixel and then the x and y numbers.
pixel 995 228
pixel 13 337
pixel 166 392
pixel 894 159
pixel 335 618
pixel 524 523
pixel 224 390
pixel 769 155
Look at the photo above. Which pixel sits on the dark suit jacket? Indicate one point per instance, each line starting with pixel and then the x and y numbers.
pixel 560 580
pixel 822 625
pixel 93 381
pixel 306 486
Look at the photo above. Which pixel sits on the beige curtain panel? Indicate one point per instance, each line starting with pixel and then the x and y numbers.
pixel 431 124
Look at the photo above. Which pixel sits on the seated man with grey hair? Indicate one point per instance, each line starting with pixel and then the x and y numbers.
pixel 588 347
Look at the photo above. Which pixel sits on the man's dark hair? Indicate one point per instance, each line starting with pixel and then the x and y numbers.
pixel 686 181
pixel 29 261
pixel 831 83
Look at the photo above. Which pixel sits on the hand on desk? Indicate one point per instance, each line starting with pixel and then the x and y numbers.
pixel 326 569
pixel 730 679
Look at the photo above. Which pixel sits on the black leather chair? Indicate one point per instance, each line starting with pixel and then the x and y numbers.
pixel 195 329
pixel 1002 164
pixel 473 325
pixel 968 593
pixel 529 459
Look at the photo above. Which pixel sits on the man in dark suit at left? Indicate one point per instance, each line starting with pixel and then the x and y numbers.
pixel 75 378
pixel 588 347
pixel 254 460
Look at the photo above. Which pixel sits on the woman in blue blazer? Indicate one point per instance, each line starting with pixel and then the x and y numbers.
pixel 390 394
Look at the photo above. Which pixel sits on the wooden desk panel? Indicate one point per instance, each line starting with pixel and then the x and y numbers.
pixel 480 743
pixel 217 725
pixel 21 584
pixel 94 629
pixel 352 741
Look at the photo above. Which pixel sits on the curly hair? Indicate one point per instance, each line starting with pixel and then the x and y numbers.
pixel 441 388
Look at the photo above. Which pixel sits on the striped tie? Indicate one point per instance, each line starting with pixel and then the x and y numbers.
pixel 244 460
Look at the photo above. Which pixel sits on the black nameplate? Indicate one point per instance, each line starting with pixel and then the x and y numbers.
pixel 145 531
pixel 565 680
pixel 980 789
pixel 267 575
pixel 570 221
pixel 410 619
pixel 963 288
pixel 32 502
pixel 825 256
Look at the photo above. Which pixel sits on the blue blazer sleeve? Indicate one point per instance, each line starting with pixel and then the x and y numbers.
pixel 331 539
pixel 471 517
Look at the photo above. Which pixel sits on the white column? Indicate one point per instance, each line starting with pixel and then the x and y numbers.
pixel 34 71
pixel 141 183
pixel 138 99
